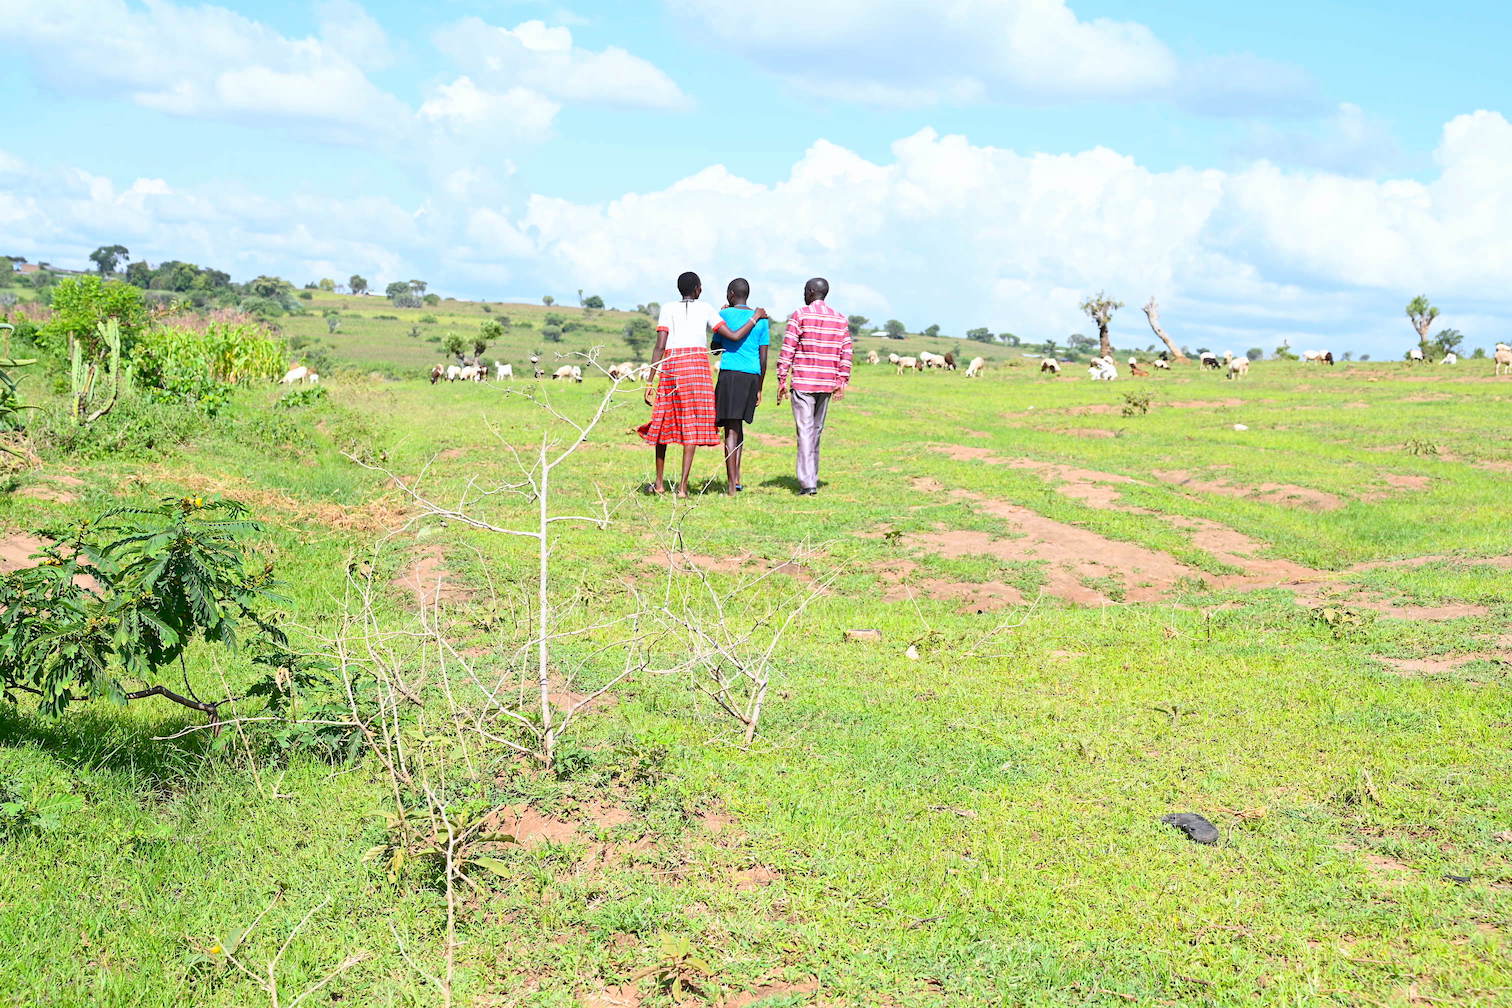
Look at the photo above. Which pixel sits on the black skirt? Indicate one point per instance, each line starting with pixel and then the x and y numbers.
pixel 735 397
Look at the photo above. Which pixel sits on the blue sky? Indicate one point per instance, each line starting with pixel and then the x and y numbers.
pixel 1287 172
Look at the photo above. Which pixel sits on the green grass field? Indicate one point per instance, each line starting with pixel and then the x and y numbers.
pixel 1088 620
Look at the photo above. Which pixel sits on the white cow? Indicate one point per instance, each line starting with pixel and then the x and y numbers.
pixel 974 369
pixel 503 372
pixel 298 373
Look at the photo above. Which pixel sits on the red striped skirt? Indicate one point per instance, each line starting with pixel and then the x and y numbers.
pixel 684 410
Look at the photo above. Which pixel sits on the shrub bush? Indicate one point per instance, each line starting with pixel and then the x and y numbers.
pixel 202 366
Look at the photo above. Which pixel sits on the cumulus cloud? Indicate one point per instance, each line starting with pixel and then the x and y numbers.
pixel 942 231
pixel 894 51
pixel 200 61
pixel 1348 142
pixel 545 59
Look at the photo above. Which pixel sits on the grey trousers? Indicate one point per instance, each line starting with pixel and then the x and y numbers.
pixel 809 411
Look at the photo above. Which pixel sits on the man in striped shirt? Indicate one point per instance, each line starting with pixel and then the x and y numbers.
pixel 814 365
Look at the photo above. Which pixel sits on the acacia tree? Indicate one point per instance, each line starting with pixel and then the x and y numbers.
pixel 1100 309
pixel 1421 314
pixel 1152 312
pixel 357 284
pixel 107 257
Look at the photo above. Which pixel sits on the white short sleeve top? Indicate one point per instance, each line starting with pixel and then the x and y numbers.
pixel 687 323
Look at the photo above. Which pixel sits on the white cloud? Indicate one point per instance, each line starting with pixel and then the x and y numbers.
pixel 469 111
pixel 350 30
pixel 945 231
pixel 200 61
pixel 911 53
pixel 544 59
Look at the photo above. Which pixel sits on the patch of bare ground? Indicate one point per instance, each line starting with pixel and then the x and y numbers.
pixel 770 990
pixel 1287 494
pixel 771 440
pixel 976 434
pixel 1504 562
pixel 1388 871
pixel 429 581
pixel 59 488
pixel 1440 664
pixel 378 515
pixel 17 550
pixel 969 453
pixel 1501 467
pixel 1397 483
pixel 971 596
pixel 1088 432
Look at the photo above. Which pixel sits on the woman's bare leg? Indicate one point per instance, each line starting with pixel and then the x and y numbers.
pixel 732 441
pixel 687 469
pixel 660 486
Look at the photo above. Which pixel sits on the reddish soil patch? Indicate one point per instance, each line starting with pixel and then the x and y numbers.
pixel 429 581
pixel 623 996
pixel 772 990
pixel 530 828
pixel 927 484
pixel 16 550
pixel 1503 467
pixel 758 877
pixel 717 822
pixel 771 440
pixel 1401 481
pixel 968 453
pixel 50 493
pixel 1439 664
pixel 456 453
pixel 1287 494
pixel 1386 870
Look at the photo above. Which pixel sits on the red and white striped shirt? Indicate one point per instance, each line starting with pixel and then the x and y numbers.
pixel 816 351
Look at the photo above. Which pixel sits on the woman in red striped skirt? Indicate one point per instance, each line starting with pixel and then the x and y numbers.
pixel 682 408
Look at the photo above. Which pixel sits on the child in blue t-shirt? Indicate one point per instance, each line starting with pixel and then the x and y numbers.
pixel 742 375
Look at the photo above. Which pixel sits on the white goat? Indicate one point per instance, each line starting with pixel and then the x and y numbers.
pixel 503 372
pixel 1051 365
pixel 1503 357
pixel 1450 358
pixel 1238 367
pixel 1415 355
pixel 974 369
pixel 872 358
pixel 907 364
pixel 930 360
pixel 298 373
pixel 453 372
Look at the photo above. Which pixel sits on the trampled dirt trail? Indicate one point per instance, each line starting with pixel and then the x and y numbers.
pixel 429 581
pixel 17 549
pixel 1083 566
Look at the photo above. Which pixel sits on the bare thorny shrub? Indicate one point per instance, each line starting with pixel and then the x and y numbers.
pixel 440 717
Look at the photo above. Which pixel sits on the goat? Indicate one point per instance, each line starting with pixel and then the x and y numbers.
pixel 1450 358
pixel 1238 367
pixel 1162 363
pixel 1051 365
pixel 437 373
pixel 1208 360
pixel 1415 355
pixel 1503 357
pixel 907 364
pixel 872 358
pixel 930 360
pixel 298 373
pixel 974 369
pixel 949 361
pixel 453 372
pixel 503 372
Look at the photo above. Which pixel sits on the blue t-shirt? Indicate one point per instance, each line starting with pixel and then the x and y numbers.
pixel 742 355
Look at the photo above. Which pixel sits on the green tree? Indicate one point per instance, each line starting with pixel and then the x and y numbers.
pixel 357 284
pixel 1254 353
pixel 333 320
pixel 1008 339
pixel 551 334
pixel 432 299
pixel 327 284
pixel 489 332
pixel 594 301
pixel 1480 353
pixel 638 333
pixel 402 295
pixel 274 288
pixel 107 257
pixel 651 310
pixel 894 329
pixel 981 334
pixel 932 331
pixel 418 286
pixel 7 272
pixel 1100 309
pixel 1082 344
pixel 1421 314
pixel 548 300
pixel 139 274
pixel 855 322
pixel 455 346
pixel 81 303
pixel 1447 341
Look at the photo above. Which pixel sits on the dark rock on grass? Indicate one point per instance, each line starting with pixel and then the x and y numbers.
pixel 1197 829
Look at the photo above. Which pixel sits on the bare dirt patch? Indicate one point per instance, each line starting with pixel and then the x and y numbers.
pixel 429 581
pixel 1206 403
pixel 17 549
pixel 1088 432
pixel 1388 871
pixel 377 515
pixel 772 990
pixel 771 440
pixel 969 453
pixel 1286 494
pixel 1438 664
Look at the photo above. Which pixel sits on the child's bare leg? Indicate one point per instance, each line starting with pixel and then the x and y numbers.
pixel 732 441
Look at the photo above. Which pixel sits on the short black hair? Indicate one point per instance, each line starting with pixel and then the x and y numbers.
pixel 819 286
pixel 688 284
pixel 739 289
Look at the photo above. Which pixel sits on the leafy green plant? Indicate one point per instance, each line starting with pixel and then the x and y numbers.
pixel 1421 446
pixel 94 373
pixel 81 304
pixel 1137 403
pixel 19 814
pixel 124 595
pixel 12 415
pixel 678 969
pixel 309 395
pixel 434 837
pixel 1344 622
pixel 202 365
